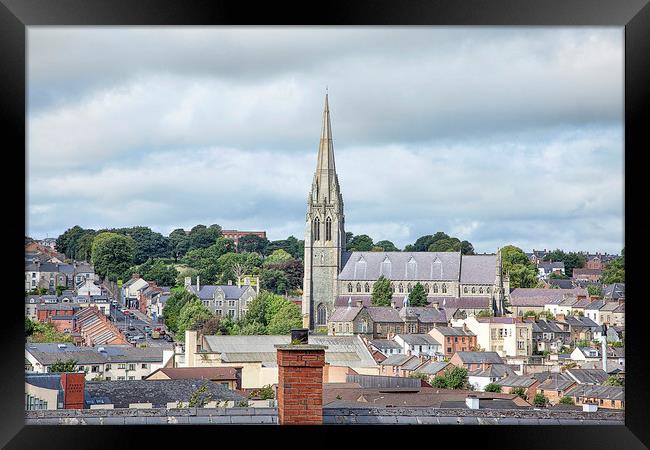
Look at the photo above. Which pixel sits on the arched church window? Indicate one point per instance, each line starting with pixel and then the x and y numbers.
pixel 392 287
pixel 408 287
pixel 489 289
pixel 465 289
pixel 444 288
pixel 358 287
pixel 480 290
pixel 435 288
pixel 473 290
pixel 367 288
pixel 316 232
pixel 349 287
pixel 426 288
pixel 400 288
pixel 321 314
pixel 328 229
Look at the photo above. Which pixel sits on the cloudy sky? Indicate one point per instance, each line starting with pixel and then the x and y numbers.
pixel 494 135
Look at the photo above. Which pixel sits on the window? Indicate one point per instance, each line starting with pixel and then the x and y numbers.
pixel 480 290
pixel 81 368
pixel 358 287
pixel 120 378
pixel 448 349
pixel 455 338
pixel 465 290
pixel 392 287
pixel 219 312
pixel 321 314
pixel 408 287
pixel 366 288
pixel 473 290
pixel 94 369
pixel 108 378
pixel 131 377
pixel 144 366
pixel 131 366
pixel 231 313
pixel 328 229
pixel 349 287
pixel 448 338
pixel 400 288
pixel 435 288
pixel 426 288
pixel 121 366
pixel 316 230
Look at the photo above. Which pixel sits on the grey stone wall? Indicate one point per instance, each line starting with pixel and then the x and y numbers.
pixel 157 416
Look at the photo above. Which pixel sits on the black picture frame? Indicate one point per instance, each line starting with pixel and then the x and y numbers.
pixel 634 15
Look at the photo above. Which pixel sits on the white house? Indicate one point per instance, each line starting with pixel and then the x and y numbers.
pixel 482 377
pixel 419 344
pixel 110 362
pixel 89 288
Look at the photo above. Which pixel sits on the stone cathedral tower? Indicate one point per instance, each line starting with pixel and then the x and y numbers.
pixel 324 234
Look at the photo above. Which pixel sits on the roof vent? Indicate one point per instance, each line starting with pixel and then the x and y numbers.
pixel 101 349
pixel 62 346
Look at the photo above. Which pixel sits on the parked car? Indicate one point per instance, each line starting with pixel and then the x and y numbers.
pixel 168 338
pixel 147 328
pixel 131 328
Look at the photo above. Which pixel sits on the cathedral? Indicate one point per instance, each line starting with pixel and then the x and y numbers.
pixel 335 277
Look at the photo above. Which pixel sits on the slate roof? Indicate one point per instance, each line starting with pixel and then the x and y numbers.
pixel 48 354
pixel 614 291
pixel 480 357
pixel 398 360
pixel 432 367
pixel 517 381
pixel 494 371
pixel 604 392
pixel 562 284
pixel 578 271
pixel 595 305
pixel 349 351
pixel 385 344
pixel 556 382
pixel 197 373
pixel 383 314
pixel 380 381
pixel 548 265
pixel 57 306
pixel 418 339
pixel 580 322
pixel 424 314
pixel 345 314
pixel 395 265
pixel 230 292
pixel 473 302
pixel 478 269
pixel 540 297
pixel 451 331
pixel 156 392
pixel 587 376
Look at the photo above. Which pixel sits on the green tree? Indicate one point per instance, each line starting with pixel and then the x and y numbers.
pixel 291 245
pixel 522 272
pixel 178 298
pixel 257 310
pixel 179 243
pixel 232 265
pixel 566 400
pixel 201 236
pixel 420 375
pixel 60 289
pixel 190 315
pixel 382 293
pixel 540 400
pixel 418 297
pixel 293 271
pixel 439 382
pixel 595 290
pixel 558 276
pixel 46 333
pixel 485 313
pixel 613 381
pixel 521 392
pixel 29 327
pixel 614 272
pixel 288 317
pixel 60 366
pixel 493 387
pixel 156 271
pixel 251 243
pixel 274 303
pixel 253 329
pixel 66 243
pixel 84 246
pixel 278 256
pixel 571 260
pixel 360 243
pixel 386 246
pixel 112 254
pixel 200 397
pixel 274 281
pixel 148 243
pixel 456 378
pixel 263 393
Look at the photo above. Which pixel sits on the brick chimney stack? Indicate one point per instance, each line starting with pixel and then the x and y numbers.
pixel 300 384
pixel 73 385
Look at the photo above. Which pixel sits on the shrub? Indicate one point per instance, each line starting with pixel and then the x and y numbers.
pixel 540 400
pixel 493 387
pixel 566 401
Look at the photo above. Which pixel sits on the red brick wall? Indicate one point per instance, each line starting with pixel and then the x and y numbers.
pixel 300 386
pixel 73 385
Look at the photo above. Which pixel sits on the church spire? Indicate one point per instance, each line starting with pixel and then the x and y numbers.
pixel 325 179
